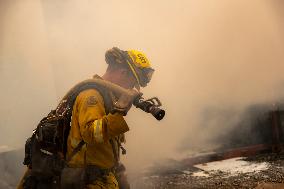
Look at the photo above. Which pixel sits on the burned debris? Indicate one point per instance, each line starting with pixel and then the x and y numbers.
pixel 251 157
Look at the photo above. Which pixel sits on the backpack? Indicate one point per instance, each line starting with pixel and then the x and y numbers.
pixel 45 150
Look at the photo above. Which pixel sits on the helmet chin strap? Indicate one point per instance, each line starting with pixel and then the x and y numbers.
pixel 133 71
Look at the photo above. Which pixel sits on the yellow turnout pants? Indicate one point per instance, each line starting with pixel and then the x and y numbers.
pixel 109 182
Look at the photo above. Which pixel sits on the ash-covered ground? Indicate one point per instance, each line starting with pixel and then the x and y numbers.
pixel 261 171
pixel 250 172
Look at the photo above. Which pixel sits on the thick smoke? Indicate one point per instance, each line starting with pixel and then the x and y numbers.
pixel 224 54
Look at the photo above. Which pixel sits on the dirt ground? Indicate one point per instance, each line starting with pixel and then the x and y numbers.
pixel 172 174
pixel 178 177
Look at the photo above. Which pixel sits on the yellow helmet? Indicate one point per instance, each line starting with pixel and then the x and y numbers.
pixel 140 67
pixel 137 62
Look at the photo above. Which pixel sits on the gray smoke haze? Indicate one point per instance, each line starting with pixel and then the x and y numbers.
pixel 225 54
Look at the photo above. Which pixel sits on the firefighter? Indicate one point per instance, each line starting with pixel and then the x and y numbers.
pixel 103 133
pixel 98 125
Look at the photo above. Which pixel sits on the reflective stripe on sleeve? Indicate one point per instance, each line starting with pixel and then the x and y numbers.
pixel 98 130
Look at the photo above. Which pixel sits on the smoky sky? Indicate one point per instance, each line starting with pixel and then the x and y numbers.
pixel 225 54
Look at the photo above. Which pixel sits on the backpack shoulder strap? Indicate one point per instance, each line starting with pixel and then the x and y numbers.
pixel 75 151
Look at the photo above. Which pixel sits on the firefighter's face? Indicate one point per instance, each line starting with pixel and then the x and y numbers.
pixel 125 78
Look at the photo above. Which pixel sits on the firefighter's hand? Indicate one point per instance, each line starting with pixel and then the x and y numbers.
pixel 125 101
